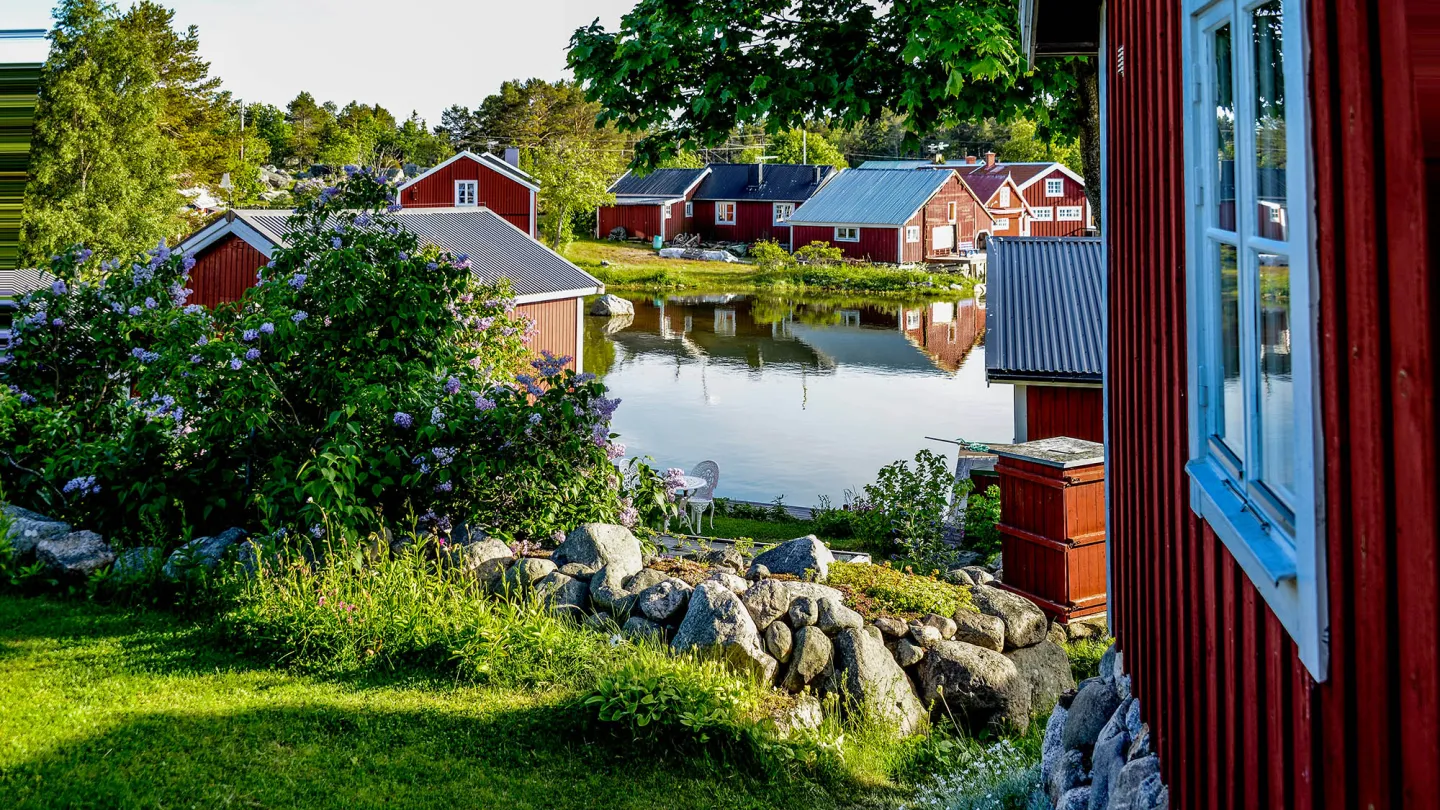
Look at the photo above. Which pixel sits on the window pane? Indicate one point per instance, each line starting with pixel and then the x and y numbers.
pixel 1230 426
pixel 1224 180
pixel 1277 385
pixel 1270 121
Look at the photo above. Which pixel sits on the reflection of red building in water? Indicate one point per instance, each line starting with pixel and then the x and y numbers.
pixel 944 330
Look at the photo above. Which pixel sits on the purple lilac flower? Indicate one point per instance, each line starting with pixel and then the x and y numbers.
pixel 336 242
pixel 196 359
pixel 160 253
pixel 299 316
pixel 26 398
pixel 350 169
pixel 628 513
pixel 404 420
pixel 393 207
pixel 583 377
pixel 193 309
pixel 363 220
pixel 298 280
pixel 317 531
pixel 84 485
pixel 267 328
pixel 615 451
pixel 452 385
pixel 235 363
pixel 202 341
pixel 189 263
pixel 84 255
pixel 404 257
pixel 444 455
pixel 58 322
pixel 482 403
pixel 549 365
pixel 59 287
pixel 431 266
pixel 444 486
pixel 117 307
pixel 443 523
pixel 252 355
pixel 527 382
pixel 5 359
pixel 249 335
pixel 150 303
pixel 534 418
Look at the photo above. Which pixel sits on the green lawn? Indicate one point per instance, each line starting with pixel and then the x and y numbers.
pixel 105 707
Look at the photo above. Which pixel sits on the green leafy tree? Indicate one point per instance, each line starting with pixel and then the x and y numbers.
pixel 688 74
pixel 102 170
pixel 795 146
pixel 269 124
pixel 417 144
pixel 1025 146
pixel 308 122
pixel 572 179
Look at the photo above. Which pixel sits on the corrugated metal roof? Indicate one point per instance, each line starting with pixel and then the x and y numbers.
pixel 784 182
pixel 870 197
pixel 23 281
pixel 901 164
pixel 667 183
pixel 985 185
pixel 1046 308
pixel 496 248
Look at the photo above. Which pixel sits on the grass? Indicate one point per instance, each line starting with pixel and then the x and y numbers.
pixel 883 590
pixel 637 267
pixel 104 707
pixel 1085 655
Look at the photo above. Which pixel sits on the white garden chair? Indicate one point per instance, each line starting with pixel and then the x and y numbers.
pixel 704 497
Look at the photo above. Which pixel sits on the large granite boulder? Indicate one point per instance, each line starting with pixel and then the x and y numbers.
pixel 136 564
pixel 597 545
pixel 718 626
pixel 28 528
pixel 980 629
pixel 980 686
pixel 1140 786
pixel 608 593
pixel 608 305
pixel 1025 624
pixel 524 573
pixel 767 600
pixel 664 602
pixel 1047 668
pixel 872 685
pixel 810 656
pixel 1089 712
pixel 77 554
pixel 797 557
pixel 484 558
pixel 563 594
pixel 835 617
pixel 202 553
pixel 814 590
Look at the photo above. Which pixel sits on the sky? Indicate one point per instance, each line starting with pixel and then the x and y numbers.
pixel 421 55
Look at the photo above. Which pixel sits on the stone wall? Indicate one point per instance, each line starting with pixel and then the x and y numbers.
pixel 1096 754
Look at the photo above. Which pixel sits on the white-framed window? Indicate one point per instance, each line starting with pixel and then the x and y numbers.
pixel 1001 224
pixel 912 233
pixel 950 210
pixel 467 192
pixel 1069 213
pixel 1055 187
pixel 782 212
pixel 689 209
pixel 912 320
pixel 1255 452
pixel 667 210
pixel 1004 196
pixel 724 213
pixel 1043 213
pixel 847 233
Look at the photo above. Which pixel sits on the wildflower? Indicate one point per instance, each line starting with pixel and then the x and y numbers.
pixel 616 640
pixel 299 316
pixel 404 420
pixel 252 355
pixel 267 328
pixel 317 531
pixel 321 603
pixel 59 287
pixel 235 363
pixel 297 281
pixel 249 335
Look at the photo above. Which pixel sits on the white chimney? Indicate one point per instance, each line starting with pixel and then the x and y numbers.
pixel 512 156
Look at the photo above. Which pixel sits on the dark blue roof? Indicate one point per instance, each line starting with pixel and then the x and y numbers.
pixel 1046 309
pixel 783 182
pixel 880 197
pixel 667 183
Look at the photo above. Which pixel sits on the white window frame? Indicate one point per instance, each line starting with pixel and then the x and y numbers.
pixel 912 234
pixel 843 233
pixel 1054 187
pixel 1069 213
pixel 666 210
pixel 1043 213
pixel 1004 196
pixel 474 187
pixel 689 208
pixel 1001 224
pixel 733 208
pixel 951 208
pixel 776 210
pixel 1287 566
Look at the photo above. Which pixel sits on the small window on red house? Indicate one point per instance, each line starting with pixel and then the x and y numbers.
pixel 950 209
pixel 724 213
pixel 467 192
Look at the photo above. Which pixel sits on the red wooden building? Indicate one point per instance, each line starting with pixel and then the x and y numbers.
pixel 547 288
pixel 468 180
pixel 893 216
pixel 1271 390
pixel 1046 334
pixel 660 203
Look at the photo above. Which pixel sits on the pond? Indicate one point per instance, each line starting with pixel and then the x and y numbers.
pixel 796 396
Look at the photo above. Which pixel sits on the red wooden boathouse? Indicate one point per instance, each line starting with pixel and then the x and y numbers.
pixel 468 180
pixel 1270 390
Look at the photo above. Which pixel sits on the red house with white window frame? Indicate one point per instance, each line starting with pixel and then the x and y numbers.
pixel 1010 214
pixel 1270 388
pixel 1054 193
pixel 468 180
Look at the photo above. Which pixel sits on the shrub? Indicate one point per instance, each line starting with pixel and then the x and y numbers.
pixel 365 380
pixel 982 521
pixel 668 699
pixel 905 510
pixel 819 253
pixel 883 590
pixel 769 257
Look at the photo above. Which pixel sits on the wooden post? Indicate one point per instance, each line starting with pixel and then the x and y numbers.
pixel 1052 524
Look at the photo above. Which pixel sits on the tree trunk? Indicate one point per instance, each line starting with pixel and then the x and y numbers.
pixel 1089 102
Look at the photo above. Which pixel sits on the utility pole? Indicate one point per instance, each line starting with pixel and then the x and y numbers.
pixel 804 146
pixel 242 130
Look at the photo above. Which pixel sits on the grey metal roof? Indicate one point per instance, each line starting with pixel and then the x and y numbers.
pixel 783 182
pixel 870 197
pixel 667 183
pixel 496 248
pixel 25 280
pixel 1046 309
pixel 896 164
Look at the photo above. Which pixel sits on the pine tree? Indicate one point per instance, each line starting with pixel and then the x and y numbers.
pixel 103 173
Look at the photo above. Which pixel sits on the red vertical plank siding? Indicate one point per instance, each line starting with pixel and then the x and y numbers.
pixel 1074 196
pixel 1052 410
pixel 499 193
pixel 224 270
pixel 875 245
pixel 1235 716
pixel 639 221
pixel 558 327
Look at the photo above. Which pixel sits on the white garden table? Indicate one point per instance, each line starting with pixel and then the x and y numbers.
pixel 688 485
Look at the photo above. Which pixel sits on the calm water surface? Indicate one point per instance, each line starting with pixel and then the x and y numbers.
pixel 796 396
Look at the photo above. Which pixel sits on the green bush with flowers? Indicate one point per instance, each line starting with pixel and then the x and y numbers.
pixel 368 381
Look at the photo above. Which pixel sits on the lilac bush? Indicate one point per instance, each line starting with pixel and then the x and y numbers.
pixel 367 381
